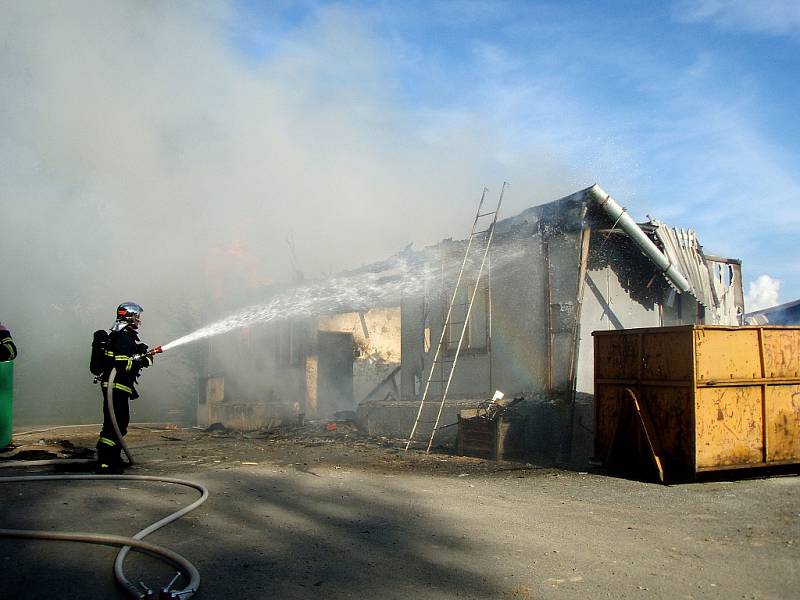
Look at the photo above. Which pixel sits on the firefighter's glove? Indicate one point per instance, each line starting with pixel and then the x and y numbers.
pixel 145 361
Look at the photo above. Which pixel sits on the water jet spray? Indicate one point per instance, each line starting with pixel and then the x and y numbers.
pixel 380 284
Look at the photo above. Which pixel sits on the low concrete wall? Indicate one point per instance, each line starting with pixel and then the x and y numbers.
pixel 396 419
pixel 557 432
pixel 250 416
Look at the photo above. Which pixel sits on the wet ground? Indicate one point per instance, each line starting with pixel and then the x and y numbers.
pixel 309 512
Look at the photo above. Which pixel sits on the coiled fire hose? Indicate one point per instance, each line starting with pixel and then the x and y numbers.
pixel 185 568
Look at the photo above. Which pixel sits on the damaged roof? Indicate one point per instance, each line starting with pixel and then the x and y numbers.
pixel 782 314
pixel 683 249
pixel 676 252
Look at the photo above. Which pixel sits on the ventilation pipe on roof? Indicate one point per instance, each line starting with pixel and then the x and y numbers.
pixel 624 220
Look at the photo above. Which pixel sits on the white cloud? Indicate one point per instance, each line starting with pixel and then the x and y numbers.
pixel 493 58
pixel 781 17
pixel 762 293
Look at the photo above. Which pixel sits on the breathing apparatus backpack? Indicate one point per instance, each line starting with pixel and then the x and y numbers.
pixel 97 362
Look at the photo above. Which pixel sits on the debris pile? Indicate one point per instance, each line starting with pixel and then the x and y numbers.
pixel 44 449
pixel 498 406
pixel 342 427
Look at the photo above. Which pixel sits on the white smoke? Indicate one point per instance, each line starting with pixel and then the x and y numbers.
pixel 762 293
pixel 148 157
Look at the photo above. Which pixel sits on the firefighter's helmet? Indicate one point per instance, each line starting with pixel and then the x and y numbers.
pixel 130 312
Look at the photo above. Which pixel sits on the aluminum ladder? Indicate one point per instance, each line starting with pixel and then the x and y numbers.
pixel 439 357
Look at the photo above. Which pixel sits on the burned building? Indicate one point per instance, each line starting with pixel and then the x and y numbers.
pixel 300 368
pixel 557 272
pixel 554 274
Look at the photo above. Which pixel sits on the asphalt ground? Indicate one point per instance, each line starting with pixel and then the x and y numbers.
pixel 304 516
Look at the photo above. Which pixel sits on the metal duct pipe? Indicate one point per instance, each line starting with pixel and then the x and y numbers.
pixel 624 220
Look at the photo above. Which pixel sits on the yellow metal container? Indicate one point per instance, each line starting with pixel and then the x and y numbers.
pixel 711 398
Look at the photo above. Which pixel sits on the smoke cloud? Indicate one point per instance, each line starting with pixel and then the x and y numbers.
pixel 148 156
pixel 762 293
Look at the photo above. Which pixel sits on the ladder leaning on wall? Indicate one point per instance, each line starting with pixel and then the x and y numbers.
pixel 439 358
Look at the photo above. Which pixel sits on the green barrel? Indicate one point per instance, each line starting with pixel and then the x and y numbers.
pixel 6 401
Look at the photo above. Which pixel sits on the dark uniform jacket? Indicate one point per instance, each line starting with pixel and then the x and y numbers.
pixel 122 347
pixel 8 351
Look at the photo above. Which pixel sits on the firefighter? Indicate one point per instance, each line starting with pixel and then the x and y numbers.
pixel 125 355
pixel 8 351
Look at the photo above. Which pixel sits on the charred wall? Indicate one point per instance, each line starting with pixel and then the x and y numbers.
pixel 272 373
pixel 256 376
pixel 559 272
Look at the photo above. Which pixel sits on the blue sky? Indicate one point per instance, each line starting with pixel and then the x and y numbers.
pixel 683 110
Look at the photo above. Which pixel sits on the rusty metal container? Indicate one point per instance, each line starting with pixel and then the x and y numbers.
pixel 502 438
pixel 711 398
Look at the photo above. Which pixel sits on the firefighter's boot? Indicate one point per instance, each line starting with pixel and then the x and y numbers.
pixel 109 461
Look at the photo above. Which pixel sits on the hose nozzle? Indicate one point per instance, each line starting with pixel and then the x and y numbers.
pixel 151 352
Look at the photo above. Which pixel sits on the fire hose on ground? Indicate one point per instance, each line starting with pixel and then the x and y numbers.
pixel 185 567
pixel 110 400
pixel 110 405
pixel 141 591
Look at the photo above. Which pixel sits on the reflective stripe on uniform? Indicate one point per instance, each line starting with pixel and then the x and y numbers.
pixel 11 350
pixel 126 359
pixel 107 442
pixel 119 386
